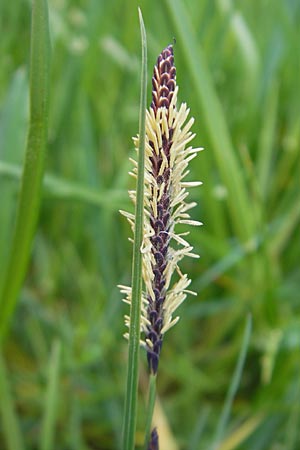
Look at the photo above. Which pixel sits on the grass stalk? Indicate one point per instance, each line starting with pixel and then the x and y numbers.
pixel 10 425
pixel 29 200
pixel 150 408
pixel 135 309
pixel 52 395
pixel 233 385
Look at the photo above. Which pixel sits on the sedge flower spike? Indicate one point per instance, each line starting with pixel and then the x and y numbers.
pixel 167 155
pixel 153 444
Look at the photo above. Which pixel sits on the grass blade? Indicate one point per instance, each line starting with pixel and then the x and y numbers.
pixel 215 121
pixel 72 190
pixel 52 395
pixel 29 201
pixel 267 138
pixel 10 425
pixel 150 408
pixel 135 309
pixel 234 384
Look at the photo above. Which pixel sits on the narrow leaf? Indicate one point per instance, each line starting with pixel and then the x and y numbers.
pixel 10 425
pixel 51 400
pixel 135 310
pixel 234 384
pixel 215 121
pixel 29 200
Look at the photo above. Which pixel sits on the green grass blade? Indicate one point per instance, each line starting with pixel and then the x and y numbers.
pixel 28 207
pixel 198 430
pixel 10 426
pixel 71 190
pixel 287 225
pixel 215 121
pixel 233 385
pixel 292 427
pixel 150 409
pixel 52 395
pixel 135 309
pixel 266 144
pixel 244 39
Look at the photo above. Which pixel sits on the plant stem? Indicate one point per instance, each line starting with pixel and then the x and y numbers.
pixel 135 309
pixel 10 426
pixel 31 186
pixel 236 378
pixel 150 408
pixel 51 398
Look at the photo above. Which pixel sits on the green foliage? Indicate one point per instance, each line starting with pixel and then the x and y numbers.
pixel 63 363
pixel 30 191
pixel 131 394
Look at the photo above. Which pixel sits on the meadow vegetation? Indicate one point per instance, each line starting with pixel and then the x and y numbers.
pixel 63 358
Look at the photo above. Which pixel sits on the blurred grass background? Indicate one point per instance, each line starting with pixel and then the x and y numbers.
pixel 238 69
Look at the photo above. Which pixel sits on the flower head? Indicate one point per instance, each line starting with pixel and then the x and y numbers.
pixel 167 155
pixel 153 444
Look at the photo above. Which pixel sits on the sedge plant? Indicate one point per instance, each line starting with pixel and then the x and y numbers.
pixel 158 285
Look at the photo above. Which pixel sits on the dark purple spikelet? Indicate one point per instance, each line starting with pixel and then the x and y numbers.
pixel 163 86
pixel 153 443
pixel 167 155
pixel 164 79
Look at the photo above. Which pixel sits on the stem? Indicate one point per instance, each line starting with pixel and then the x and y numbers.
pixel 51 399
pixel 10 427
pixel 234 384
pixel 150 409
pixel 29 200
pixel 135 309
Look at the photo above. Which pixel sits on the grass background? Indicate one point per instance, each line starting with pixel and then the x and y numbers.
pixel 63 364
